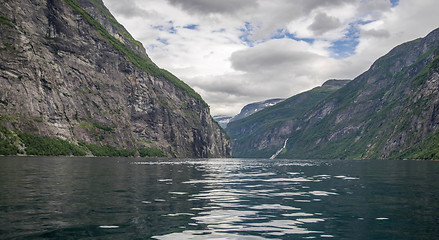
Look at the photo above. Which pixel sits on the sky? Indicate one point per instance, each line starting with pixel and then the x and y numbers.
pixel 235 52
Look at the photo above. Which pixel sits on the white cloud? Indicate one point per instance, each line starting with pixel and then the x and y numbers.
pixel 324 23
pixel 275 54
pixel 376 33
pixel 129 9
pixel 374 8
pixel 230 57
pixel 209 7
pixel 408 21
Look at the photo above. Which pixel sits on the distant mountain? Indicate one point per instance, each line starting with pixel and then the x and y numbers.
pixel 246 111
pixel 262 133
pixel 73 81
pixel 222 120
pixel 390 111
pixel 252 108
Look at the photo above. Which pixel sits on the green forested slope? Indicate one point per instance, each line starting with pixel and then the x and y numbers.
pixel 261 133
pixel 390 111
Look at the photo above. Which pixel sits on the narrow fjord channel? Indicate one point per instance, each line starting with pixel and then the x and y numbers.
pixel 134 198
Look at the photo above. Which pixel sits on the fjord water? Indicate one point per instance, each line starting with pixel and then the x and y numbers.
pixel 135 198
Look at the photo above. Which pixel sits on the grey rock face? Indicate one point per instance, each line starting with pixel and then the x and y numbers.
pixel 60 78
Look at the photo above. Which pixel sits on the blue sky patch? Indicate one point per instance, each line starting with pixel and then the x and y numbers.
pixel 394 3
pixel 169 28
pixel 247 31
pixel 364 22
pixel 192 26
pixel 284 33
pixel 346 46
pixel 219 30
pixel 163 40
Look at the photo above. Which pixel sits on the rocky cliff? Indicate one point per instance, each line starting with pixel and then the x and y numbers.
pixel 70 71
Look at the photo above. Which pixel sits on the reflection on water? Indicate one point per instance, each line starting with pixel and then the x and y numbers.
pixel 58 198
pixel 246 197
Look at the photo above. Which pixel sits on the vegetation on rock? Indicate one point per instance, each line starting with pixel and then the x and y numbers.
pixel 390 111
pixel 265 126
pixel 6 21
pixel 144 64
pixel 151 152
pixel 75 82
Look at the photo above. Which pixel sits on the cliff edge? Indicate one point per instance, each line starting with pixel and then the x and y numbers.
pixel 70 72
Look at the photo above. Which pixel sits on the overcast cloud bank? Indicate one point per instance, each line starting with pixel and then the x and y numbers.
pixel 237 52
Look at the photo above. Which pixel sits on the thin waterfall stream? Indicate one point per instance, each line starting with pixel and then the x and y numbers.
pixel 280 150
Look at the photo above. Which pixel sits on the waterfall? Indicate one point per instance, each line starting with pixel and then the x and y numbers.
pixel 280 150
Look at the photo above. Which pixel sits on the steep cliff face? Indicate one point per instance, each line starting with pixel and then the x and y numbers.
pixel 390 111
pixel 264 132
pixel 69 70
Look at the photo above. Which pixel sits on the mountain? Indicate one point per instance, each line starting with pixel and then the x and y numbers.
pixel 222 120
pixel 389 111
pixel 74 81
pixel 246 111
pixel 252 108
pixel 263 133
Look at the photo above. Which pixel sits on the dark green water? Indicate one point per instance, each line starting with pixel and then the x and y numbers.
pixel 129 198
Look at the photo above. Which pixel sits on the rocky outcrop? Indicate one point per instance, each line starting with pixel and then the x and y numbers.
pixel 69 70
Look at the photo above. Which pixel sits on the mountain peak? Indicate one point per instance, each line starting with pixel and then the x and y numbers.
pixel 255 107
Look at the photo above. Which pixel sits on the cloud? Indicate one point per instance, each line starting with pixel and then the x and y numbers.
pixel 381 33
pixel 408 21
pixel 324 23
pixel 208 7
pixel 128 9
pixel 271 16
pixel 237 52
pixel 310 5
pixel 274 54
pixel 374 8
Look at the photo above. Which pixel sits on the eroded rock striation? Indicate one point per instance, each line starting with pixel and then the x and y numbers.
pixel 68 70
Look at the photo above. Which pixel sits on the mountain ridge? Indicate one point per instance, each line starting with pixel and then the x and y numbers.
pixel 252 108
pixel 263 133
pixel 389 111
pixel 246 111
pixel 71 73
